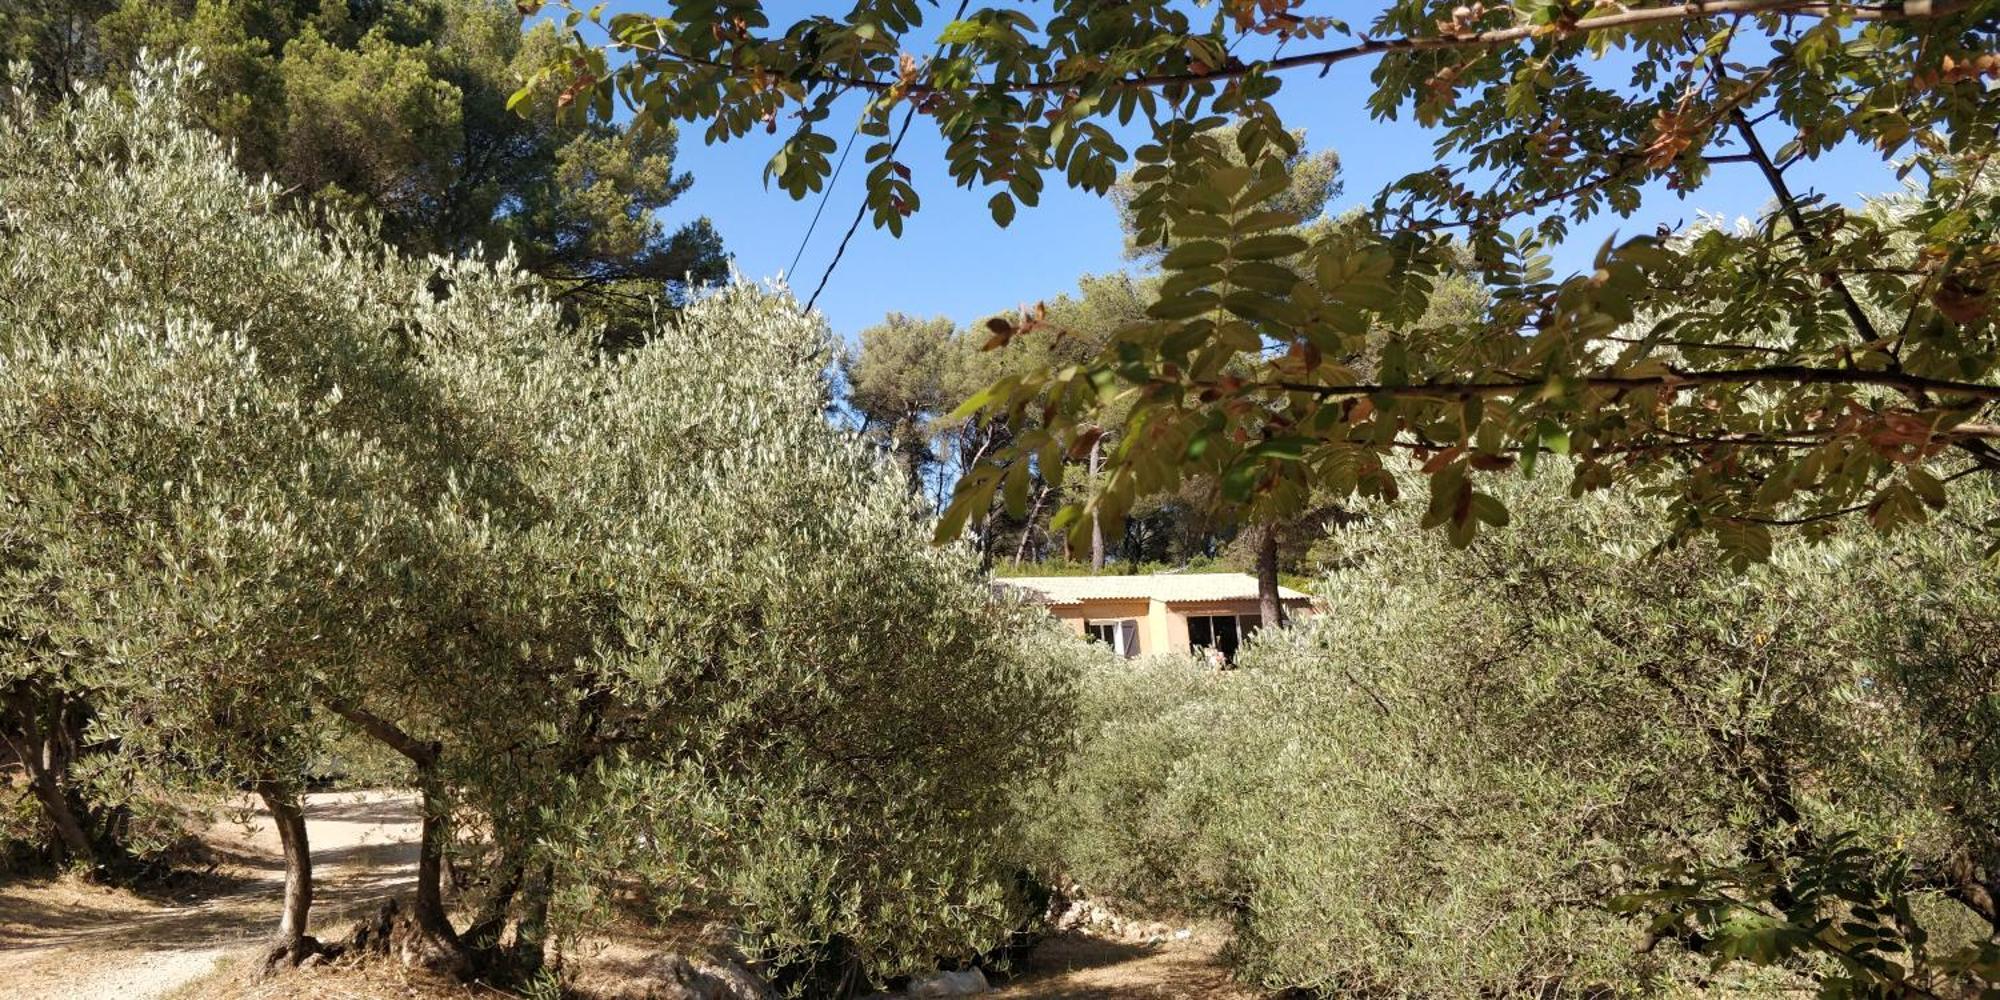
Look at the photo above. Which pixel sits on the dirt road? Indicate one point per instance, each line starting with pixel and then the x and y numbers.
pixel 66 940
pixel 70 941
pixel 1079 966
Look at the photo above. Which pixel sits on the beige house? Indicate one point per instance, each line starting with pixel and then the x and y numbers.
pixel 1141 615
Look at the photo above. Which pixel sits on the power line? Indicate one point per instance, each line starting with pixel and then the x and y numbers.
pixel 862 212
pixel 823 197
pixel 859 214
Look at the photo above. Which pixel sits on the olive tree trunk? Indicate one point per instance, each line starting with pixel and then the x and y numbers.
pixel 290 945
pixel 72 840
pixel 428 942
pixel 531 934
pixel 42 758
pixel 484 933
pixel 429 910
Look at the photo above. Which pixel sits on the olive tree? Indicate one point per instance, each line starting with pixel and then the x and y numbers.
pixel 771 697
pixel 1560 760
pixel 635 622
pixel 225 437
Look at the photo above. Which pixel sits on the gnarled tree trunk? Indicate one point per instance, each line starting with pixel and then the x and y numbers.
pixel 41 754
pixel 441 949
pixel 291 944
pixel 531 935
pixel 425 938
pixel 72 839
pixel 484 934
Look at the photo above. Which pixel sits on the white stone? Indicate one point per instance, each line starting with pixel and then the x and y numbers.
pixel 949 984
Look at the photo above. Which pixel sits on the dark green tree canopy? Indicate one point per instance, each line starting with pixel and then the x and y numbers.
pixel 1823 362
pixel 399 107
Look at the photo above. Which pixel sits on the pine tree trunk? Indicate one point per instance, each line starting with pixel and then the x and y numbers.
pixel 1270 606
pixel 1028 530
pixel 291 944
pixel 986 544
pixel 1096 525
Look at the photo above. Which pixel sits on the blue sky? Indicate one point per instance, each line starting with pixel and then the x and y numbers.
pixel 952 260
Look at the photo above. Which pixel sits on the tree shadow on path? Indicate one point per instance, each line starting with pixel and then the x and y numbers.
pixel 364 849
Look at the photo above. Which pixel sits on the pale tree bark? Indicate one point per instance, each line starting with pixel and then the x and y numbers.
pixel 1027 530
pixel 290 945
pixel 41 755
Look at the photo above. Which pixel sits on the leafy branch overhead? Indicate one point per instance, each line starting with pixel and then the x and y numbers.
pixel 1820 363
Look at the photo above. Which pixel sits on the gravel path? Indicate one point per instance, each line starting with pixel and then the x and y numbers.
pixel 71 941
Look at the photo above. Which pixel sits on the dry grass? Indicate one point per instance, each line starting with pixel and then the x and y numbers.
pixel 373 981
pixel 1071 966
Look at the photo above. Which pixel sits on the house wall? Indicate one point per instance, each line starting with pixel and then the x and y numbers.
pixel 1159 626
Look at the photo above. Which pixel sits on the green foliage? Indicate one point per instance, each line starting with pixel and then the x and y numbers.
pixel 1822 363
pixel 1839 902
pixel 199 483
pixel 637 622
pixel 1314 183
pixel 401 109
pixel 1436 787
pixel 908 376
pixel 880 710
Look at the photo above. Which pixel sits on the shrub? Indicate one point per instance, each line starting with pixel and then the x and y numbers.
pixel 1439 787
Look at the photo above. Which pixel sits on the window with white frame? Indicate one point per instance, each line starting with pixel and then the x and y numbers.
pixel 1121 634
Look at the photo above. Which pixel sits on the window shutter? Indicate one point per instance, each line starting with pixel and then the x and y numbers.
pixel 1129 631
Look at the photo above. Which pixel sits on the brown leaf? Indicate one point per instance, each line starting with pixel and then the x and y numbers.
pixel 1080 448
pixel 1442 459
pixel 1673 134
pixel 1961 302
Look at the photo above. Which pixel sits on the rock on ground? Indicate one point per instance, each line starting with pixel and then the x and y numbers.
pixel 948 984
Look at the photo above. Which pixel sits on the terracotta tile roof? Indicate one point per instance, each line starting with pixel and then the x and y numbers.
pixel 1169 587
